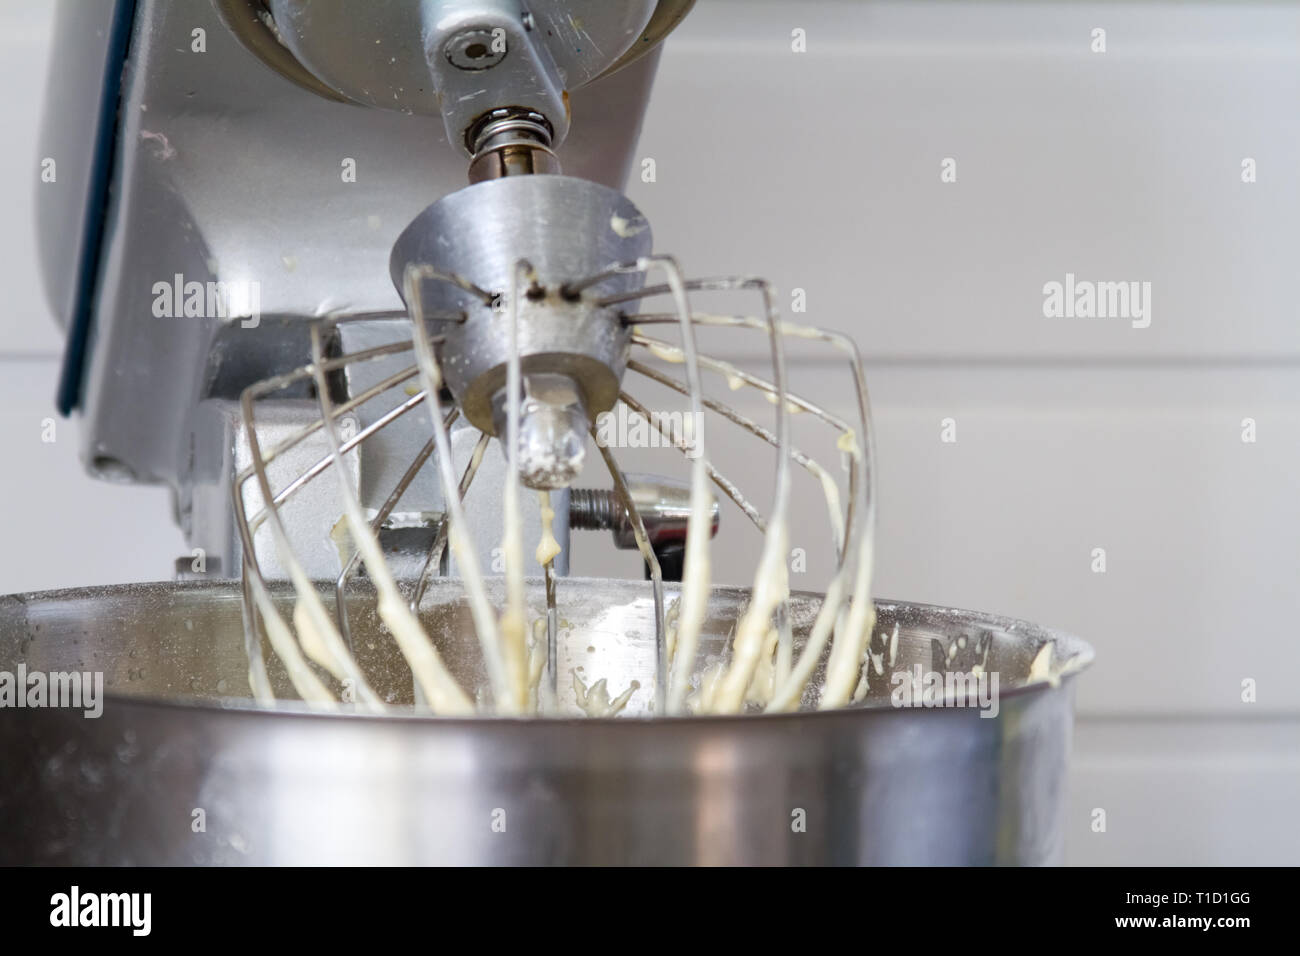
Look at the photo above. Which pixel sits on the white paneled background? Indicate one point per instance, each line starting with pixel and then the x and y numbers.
pixel 820 171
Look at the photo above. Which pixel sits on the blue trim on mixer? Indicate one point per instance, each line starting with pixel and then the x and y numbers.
pixel 92 235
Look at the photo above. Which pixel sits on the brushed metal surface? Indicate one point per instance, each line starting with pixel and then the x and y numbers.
pixel 871 784
pixel 392 55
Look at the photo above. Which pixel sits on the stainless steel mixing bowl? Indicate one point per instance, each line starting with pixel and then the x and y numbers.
pixel 182 768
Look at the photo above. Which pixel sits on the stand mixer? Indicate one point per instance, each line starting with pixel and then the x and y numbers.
pixel 348 416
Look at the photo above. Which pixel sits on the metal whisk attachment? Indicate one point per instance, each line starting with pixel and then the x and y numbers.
pixel 518 330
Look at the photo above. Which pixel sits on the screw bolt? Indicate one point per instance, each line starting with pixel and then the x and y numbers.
pixel 472 50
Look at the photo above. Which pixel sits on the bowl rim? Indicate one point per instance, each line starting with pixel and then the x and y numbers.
pixel 1078 654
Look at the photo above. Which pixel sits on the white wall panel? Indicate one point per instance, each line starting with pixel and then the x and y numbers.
pixel 821 170
pixel 1184 793
pixel 25 324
